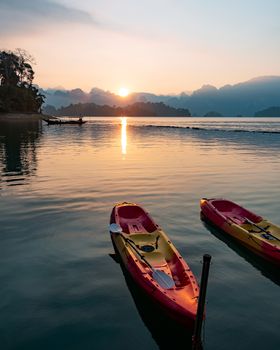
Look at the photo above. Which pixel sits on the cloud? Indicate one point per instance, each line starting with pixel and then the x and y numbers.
pixel 18 16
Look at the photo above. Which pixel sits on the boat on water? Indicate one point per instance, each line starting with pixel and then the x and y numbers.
pixel 251 230
pixel 154 263
pixel 62 122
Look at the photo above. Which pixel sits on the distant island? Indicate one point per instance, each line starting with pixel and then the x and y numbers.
pixel 143 109
pixel 213 114
pixel 269 112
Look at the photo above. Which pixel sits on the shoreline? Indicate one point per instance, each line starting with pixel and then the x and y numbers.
pixel 24 116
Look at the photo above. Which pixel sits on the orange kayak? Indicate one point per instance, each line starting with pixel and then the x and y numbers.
pixel 251 230
pixel 154 263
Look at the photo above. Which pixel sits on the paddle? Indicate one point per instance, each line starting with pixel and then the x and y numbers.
pixel 260 228
pixel 253 224
pixel 164 280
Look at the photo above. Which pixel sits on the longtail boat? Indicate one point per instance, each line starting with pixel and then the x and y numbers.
pixel 62 122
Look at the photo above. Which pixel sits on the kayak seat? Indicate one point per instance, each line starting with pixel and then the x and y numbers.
pixel 132 219
pixel 236 217
pixel 156 259
pixel 136 227
pixel 235 212
pixel 144 239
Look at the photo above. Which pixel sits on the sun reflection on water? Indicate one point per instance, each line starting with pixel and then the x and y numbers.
pixel 123 135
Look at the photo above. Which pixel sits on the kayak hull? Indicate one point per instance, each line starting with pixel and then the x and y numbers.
pixel 178 302
pixel 242 225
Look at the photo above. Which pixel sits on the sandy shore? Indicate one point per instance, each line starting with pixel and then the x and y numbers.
pixel 24 116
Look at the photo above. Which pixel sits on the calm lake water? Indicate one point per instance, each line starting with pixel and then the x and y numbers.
pixel 60 288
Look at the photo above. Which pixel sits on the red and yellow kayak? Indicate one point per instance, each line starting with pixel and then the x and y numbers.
pixel 257 234
pixel 154 263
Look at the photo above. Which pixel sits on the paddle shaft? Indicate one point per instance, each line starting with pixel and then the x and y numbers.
pixel 260 228
pixel 137 251
pixel 164 280
pixel 253 224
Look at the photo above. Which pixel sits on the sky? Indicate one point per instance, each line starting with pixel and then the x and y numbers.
pixel 158 46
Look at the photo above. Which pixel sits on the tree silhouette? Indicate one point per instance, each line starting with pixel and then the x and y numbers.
pixel 17 94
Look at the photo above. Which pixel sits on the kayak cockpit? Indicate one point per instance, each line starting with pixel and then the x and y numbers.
pixel 234 212
pixel 147 244
pixel 158 251
pixel 133 219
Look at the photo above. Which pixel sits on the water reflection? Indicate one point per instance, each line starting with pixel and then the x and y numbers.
pixel 266 269
pixel 167 333
pixel 59 219
pixel 264 142
pixel 123 135
pixel 18 145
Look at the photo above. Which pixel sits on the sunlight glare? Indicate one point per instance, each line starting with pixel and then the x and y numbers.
pixel 123 92
pixel 123 139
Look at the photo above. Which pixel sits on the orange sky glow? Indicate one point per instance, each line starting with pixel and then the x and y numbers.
pixel 159 46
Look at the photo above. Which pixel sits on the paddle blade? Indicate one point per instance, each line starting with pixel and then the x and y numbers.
pixel 164 280
pixel 115 228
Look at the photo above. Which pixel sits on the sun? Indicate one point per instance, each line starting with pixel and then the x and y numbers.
pixel 123 92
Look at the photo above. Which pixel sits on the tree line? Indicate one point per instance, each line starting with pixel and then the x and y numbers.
pixel 17 93
pixel 136 109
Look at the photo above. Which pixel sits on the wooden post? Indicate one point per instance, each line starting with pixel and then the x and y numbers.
pixel 196 342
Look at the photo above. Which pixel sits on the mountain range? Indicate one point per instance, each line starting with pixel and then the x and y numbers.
pixel 244 98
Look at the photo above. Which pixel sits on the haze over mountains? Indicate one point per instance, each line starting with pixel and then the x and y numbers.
pixel 244 98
